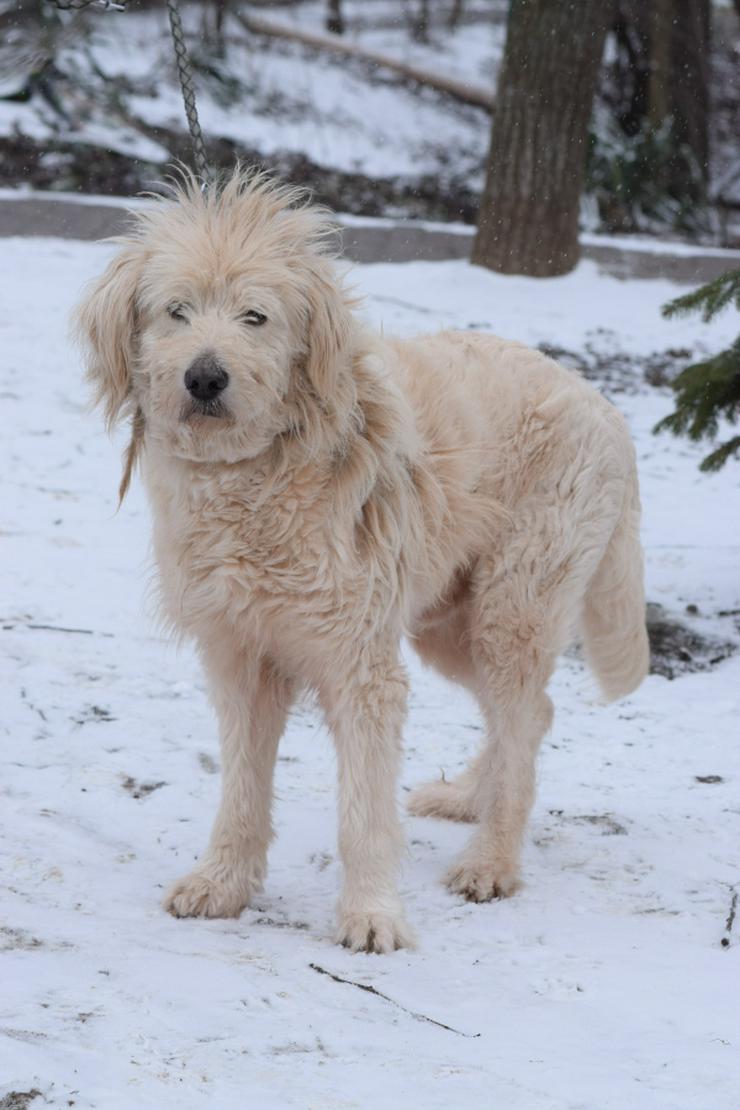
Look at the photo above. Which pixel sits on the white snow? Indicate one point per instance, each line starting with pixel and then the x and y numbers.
pixel 602 984
pixel 292 99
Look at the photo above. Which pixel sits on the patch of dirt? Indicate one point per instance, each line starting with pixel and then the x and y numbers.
pixel 321 860
pixel 140 789
pixel 19 1100
pixel 609 825
pixel 76 167
pixel 72 167
pixel 676 648
pixel 276 923
pixel 95 713
pixel 15 939
pixel 208 763
pixel 616 371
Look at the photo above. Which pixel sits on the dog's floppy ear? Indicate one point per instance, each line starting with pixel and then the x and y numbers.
pixel 329 331
pixel 106 325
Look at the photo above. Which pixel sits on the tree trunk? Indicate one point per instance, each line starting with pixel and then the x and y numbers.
pixel 529 213
pixel 456 11
pixel 420 22
pixel 659 96
pixel 689 83
pixel 212 25
pixel 662 80
pixel 631 29
pixel 334 17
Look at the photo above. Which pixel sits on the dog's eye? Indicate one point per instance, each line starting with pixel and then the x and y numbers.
pixel 255 318
pixel 177 311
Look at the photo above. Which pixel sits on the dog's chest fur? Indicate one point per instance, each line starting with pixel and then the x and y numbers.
pixel 270 567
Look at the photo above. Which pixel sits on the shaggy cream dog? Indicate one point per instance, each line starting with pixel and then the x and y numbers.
pixel 318 491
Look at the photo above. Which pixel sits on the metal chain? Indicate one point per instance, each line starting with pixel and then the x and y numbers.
pixel 78 5
pixel 185 74
pixel 184 69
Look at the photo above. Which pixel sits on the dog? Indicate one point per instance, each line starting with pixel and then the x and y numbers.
pixel 319 491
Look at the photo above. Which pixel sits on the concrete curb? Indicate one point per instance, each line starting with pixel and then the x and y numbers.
pixel 376 241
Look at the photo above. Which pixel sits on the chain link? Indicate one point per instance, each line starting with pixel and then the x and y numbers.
pixel 184 69
pixel 185 74
pixel 78 5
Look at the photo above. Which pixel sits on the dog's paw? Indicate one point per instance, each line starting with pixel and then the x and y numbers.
pixel 201 895
pixel 375 932
pixel 480 882
pixel 441 799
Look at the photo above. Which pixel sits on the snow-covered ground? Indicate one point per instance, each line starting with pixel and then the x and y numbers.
pixel 602 984
pixel 360 131
pixel 278 97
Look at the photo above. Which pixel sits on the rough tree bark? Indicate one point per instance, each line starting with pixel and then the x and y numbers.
pixel 529 212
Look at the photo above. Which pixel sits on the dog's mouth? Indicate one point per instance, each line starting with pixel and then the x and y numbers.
pixel 213 407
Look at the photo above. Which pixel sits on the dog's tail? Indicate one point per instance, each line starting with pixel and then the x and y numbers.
pixel 615 637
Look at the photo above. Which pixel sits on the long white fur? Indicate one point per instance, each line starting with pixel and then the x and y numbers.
pixel 458 488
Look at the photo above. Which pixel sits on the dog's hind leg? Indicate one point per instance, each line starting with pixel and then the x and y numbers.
pixel 443 642
pixel 252 701
pixel 524 614
pixel 504 793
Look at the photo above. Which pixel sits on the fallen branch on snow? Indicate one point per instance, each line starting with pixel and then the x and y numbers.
pixel 475 95
pixel 385 997
pixel 58 628
pixel 725 942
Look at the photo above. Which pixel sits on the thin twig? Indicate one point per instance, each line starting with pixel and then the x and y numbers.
pixel 725 942
pixel 379 994
pixel 58 628
pixel 29 703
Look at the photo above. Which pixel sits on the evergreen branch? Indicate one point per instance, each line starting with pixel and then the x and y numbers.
pixel 709 299
pixel 705 392
pixel 718 458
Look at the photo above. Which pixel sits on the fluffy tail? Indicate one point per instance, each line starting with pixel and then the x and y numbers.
pixel 615 637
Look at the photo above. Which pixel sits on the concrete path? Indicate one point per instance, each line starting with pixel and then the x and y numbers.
pixel 403 241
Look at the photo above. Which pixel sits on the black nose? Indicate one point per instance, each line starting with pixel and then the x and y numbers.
pixel 205 378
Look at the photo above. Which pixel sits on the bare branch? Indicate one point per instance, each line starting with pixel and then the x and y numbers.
pixel 379 994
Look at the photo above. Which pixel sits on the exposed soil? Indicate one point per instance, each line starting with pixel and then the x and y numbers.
pixel 676 648
pixel 19 1100
pixel 140 789
pixel 75 167
pixel 615 371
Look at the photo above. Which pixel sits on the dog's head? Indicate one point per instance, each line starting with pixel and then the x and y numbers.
pixel 220 321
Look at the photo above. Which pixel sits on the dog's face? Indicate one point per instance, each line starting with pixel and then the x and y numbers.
pixel 220 320
pixel 221 337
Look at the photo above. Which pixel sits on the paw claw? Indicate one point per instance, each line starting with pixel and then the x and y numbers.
pixel 374 932
pixel 199 895
pixel 481 884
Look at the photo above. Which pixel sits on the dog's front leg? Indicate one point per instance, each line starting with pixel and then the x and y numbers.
pixel 252 702
pixel 365 705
